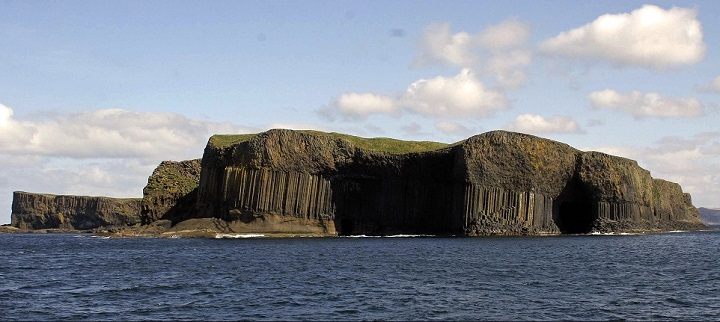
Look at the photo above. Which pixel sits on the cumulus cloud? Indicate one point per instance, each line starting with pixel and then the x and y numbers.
pixel 497 50
pixel 354 105
pixel 649 104
pixel 509 67
pixel 109 133
pixel 537 124
pixel 462 95
pixel 440 46
pixel 510 33
pixel 6 114
pixel 649 36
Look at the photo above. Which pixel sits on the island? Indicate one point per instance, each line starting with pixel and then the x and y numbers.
pixel 289 183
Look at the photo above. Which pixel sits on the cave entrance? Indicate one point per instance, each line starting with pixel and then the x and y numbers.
pixel 575 217
pixel 346 227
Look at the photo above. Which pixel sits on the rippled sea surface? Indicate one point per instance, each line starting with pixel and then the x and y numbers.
pixel 666 276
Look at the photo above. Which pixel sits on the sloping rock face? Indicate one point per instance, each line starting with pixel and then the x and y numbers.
pixel 44 211
pixel 496 183
pixel 171 191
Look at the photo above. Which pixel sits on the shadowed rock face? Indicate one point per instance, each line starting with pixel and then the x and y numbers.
pixel 171 191
pixel 494 183
pixel 44 211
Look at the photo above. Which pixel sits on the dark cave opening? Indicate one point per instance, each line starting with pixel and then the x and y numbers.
pixel 575 217
pixel 346 227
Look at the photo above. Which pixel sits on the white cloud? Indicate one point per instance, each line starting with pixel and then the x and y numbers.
pixel 509 67
pixel 439 46
pixel 650 104
pixel 6 114
pixel 537 124
pixel 356 105
pixel 497 50
pixel 453 128
pixel 648 36
pixel 460 96
pixel 110 133
pixel 510 33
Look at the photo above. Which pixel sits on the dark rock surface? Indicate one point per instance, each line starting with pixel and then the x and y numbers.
pixel 293 183
pixel 171 191
pixel 45 211
pixel 496 183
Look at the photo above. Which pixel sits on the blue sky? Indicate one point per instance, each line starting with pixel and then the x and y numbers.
pixel 94 94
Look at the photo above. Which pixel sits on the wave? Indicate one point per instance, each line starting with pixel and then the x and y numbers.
pixel 389 236
pixel 597 233
pixel 221 236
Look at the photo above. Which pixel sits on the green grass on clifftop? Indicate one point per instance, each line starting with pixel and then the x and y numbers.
pixel 388 145
pixel 225 140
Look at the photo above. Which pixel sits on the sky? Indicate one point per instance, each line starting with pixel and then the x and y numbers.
pixel 95 94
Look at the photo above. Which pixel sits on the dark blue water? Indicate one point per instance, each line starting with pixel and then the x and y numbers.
pixel 643 277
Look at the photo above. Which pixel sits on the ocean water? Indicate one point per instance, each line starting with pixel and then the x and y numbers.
pixel 667 276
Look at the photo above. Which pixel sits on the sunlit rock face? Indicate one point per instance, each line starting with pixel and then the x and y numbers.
pixel 44 211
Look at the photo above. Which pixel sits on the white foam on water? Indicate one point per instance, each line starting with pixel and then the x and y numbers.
pixel 408 236
pixel 239 235
pixel 388 236
pixel 597 233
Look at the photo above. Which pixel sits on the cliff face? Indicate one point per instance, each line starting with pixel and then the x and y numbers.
pixel 283 181
pixel 44 211
pixel 171 191
pixel 494 183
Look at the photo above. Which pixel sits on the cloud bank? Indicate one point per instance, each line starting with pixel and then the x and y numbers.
pixel 108 152
pixel 109 133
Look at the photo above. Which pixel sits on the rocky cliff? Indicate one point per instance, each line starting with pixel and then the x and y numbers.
pixel 309 182
pixel 45 211
pixel 494 183
pixel 171 191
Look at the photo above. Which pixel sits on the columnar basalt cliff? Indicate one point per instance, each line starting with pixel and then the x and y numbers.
pixel 45 211
pixel 494 183
pixel 309 182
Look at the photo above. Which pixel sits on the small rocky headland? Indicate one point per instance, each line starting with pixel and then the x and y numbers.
pixel 309 183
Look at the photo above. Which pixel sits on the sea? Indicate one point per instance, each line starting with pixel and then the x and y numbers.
pixel 664 276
